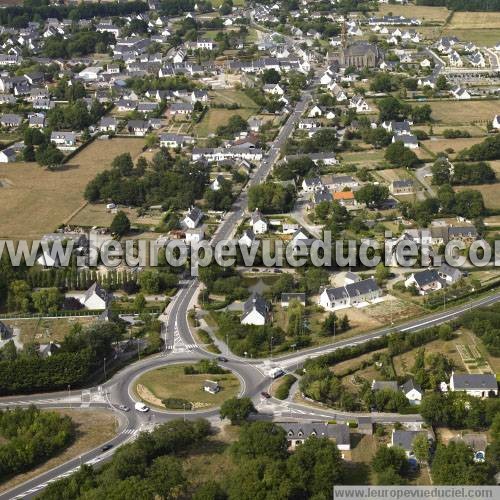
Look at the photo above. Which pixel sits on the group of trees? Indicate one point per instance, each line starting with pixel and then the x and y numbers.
pixel 270 198
pixel 259 466
pixel 75 115
pixel 485 324
pixel 392 108
pixel 81 354
pixel 165 181
pixel 398 155
pixel 462 173
pixel 79 44
pixel 487 150
pixel 31 437
pixel 235 125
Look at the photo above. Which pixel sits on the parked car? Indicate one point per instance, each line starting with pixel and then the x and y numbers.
pixel 265 394
pixel 222 359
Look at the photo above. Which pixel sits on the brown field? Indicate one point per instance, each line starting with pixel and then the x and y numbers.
pixel 426 14
pixel 489 192
pixel 468 20
pixel 393 174
pixel 462 112
pixel 455 144
pixel 93 428
pixel 37 201
pixel 44 331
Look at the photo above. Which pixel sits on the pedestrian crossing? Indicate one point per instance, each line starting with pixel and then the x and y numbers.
pixel 130 431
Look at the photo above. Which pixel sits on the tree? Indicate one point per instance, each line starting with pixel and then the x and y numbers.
pixel 48 300
pixel 48 156
pixel 392 458
pixel 19 297
pixel 139 302
pixel 400 156
pixel 315 467
pixel 237 410
pixel 382 273
pixel 120 224
pixel 373 195
pixel 393 109
pixel 441 171
pixel 269 197
pixel 441 83
pixel 421 448
pixel 270 76
pixel 150 281
pixel 261 439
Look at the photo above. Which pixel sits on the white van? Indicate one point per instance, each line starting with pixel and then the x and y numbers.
pixel 141 407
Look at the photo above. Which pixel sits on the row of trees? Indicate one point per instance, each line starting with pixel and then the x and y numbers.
pixel 462 173
pixel 79 44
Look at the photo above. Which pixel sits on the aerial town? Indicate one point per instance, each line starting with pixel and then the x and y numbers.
pixel 248 249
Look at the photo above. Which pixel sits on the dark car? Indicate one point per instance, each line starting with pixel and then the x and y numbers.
pixel 265 394
pixel 222 359
pixel 107 447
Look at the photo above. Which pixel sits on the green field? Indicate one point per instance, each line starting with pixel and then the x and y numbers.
pixel 215 117
pixel 171 382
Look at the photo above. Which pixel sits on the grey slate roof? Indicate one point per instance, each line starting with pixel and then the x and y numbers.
pixel 474 381
pixel 256 302
pixel 98 290
pixel 304 430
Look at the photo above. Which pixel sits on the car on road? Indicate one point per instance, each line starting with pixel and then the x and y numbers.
pixel 222 359
pixel 141 407
pixel 106 447
pixel 265 394
pixel 124 408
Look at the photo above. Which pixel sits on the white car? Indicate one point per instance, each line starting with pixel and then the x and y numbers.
pixel 141 407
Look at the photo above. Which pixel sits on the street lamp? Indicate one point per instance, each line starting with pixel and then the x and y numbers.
pixel 104 366
pixel 271 347
pixel 69 395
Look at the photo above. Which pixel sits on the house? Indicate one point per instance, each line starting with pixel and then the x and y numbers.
pixel 63 139
pixel 460 93
pixel 247 238
pixel 273 89
pixel 426 281
pixel 96 298
pixel 47 350
pixel 10 154
pixel 359 104
pixel 180 108
pixel 455 60
pixel 477 442
pixel 193 217
pixel 311 184
pixel 108 124
pixel 496 122
pixel 286 298
pixel 298 432
pixel 217 183
pixel 36 120
pixel 90 74
pixel 255 311
pixel 254 124
pixel 449 274
pixel 172 141
pixel 259 223
pixel 404 439
pixel 401 187
pixel 345 198
pixel 5 331
pixel 409 141
pixel 211 387
pixel 479 385
pixel 321 195
pixel 397 128
pixel 339 182
pixel 178 57
pixel 351 277
pixel 412 391
pixel 205 44
pixel 138 127
pixel 11 120
pixel 351 295
pixel 315 111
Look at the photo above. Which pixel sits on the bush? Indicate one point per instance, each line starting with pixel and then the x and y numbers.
pixel 286 383
pixel 177 404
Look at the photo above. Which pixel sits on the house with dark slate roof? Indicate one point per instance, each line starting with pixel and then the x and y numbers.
pixel 255 311
pixel 95 298
pixel 479 385
pixel 353 294
pixel 298 432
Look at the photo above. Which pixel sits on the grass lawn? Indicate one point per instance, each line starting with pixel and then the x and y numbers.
pixel 364 158
pixel 37 201
pixel 44 331
pixel 393 174
pixel 483 37
pixel 426 14
pixel 216 117
pixel 462 112
pixel 489 192
pixel 232 97
pixel 171 382
pixel 93 428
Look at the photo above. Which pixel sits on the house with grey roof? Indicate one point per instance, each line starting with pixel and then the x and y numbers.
pixel 479 385
pixel 255 311
pixel 193 217
pixel 259 222
pixel 211 386
pixel 5 331
pixel 96 298
pixel 412 391
pixel 298 432
pixel 401 187
pixel 404 439
pixel 286 298
pixel 350 295
pixel 11 120
pixel 63 139
pixel 247 238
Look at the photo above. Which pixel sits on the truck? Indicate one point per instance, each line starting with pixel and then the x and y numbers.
pixel 276 372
